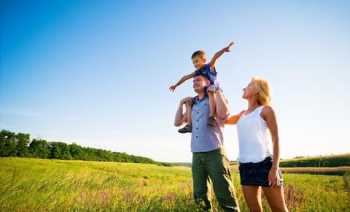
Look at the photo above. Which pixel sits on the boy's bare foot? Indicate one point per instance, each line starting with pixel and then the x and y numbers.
pixel 211 121
pixel 186 129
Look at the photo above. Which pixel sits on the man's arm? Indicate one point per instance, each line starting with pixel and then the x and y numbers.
pixel 219 54
pixel 222 108
pixel 182 80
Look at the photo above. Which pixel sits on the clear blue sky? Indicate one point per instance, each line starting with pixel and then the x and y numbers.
pixel 97 72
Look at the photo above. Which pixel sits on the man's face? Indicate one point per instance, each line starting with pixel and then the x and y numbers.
pixel 199 83
pixel 198 62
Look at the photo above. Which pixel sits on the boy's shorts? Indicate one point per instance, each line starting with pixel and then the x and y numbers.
pixel 213 88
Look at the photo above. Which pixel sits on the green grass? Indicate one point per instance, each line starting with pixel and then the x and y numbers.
pixel 59 185
pixel 321 161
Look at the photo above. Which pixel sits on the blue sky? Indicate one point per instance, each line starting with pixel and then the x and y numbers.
pixel 97 72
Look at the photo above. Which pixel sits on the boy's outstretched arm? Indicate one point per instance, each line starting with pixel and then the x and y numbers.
pixel 182 80
pixel 219 54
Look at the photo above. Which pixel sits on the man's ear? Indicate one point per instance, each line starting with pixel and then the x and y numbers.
pixel 207 82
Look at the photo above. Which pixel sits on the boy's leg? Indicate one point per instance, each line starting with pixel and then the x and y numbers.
pixel 212 103
pixel 188 127
pixel 212 107
pixel 189 112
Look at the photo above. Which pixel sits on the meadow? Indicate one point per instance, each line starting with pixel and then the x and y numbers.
pixel 28 184
pixel 320 161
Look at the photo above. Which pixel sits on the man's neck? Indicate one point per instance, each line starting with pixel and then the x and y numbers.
pixel 201 95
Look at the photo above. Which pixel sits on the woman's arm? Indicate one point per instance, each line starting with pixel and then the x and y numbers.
pixel 234 118
pixel 269 116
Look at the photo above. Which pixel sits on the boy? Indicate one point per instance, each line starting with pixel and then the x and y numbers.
pixel 207 70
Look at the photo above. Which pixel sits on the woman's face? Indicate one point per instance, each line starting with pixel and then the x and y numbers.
pixel 250 90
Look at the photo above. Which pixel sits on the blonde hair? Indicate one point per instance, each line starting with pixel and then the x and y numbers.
pixel 263 95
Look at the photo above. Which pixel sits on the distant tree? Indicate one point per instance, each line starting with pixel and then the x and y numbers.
pixel 22 142
pixel 7 143
pixel 77 152
pixel 12 144
pixel 59 150
pixel 39 148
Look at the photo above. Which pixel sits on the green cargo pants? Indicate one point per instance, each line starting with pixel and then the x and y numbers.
pixel 213 166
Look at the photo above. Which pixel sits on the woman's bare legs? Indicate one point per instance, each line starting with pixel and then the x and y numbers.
pixel 275 198
pixel 252 195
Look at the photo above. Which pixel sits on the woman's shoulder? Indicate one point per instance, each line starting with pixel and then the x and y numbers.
pixel 266 110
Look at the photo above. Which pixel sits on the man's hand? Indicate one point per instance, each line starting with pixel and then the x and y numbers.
pixel 227 48
pixel 172 88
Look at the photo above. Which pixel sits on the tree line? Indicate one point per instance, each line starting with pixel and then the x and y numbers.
pixel 21 145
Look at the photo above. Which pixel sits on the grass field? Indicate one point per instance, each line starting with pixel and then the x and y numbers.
pixel 59 185
pixel 320 161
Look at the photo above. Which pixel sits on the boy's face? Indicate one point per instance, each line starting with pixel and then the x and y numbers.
pixel 198 61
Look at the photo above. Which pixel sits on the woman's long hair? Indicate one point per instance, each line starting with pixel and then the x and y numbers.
pixel 263 95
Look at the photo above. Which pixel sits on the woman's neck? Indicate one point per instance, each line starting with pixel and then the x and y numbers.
pixel 252 104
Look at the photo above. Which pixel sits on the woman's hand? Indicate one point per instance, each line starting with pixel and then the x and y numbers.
pixel 274 177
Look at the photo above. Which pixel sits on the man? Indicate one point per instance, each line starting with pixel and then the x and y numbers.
pixel 209 160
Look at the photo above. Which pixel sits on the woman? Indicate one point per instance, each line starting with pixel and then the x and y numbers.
pixel 258 165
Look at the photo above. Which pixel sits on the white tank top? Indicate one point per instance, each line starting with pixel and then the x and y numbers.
pixel 253 137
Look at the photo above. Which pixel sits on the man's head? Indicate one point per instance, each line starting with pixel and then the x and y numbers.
pixel 199 59
pixel 199 84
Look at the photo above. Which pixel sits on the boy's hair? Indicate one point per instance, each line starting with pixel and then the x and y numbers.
pixel 199 53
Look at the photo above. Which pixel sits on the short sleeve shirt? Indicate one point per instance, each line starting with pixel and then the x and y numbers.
pixel 208 73
pixel 204 138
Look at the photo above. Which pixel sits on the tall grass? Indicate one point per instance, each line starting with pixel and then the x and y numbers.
pixel 59 185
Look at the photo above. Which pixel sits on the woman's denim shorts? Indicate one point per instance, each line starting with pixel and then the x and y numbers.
pixel 256 174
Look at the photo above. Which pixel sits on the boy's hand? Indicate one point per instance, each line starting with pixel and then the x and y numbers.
pixel 227 48
pixel 172 88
